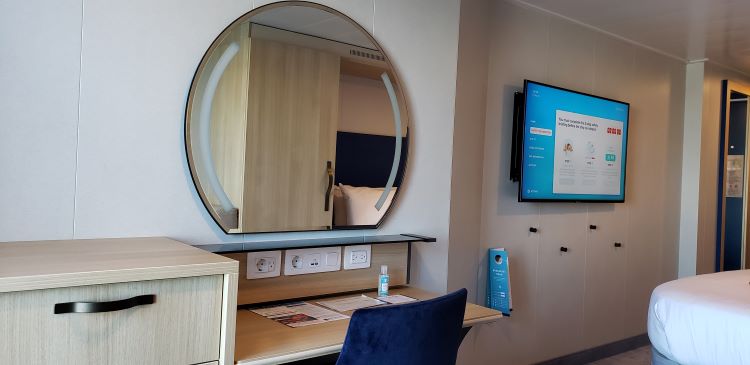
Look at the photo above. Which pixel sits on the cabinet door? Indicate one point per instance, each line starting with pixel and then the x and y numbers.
pixel 516 337
pixel 561 279
pixel 181 327
pixel 293 106
pixel 605 274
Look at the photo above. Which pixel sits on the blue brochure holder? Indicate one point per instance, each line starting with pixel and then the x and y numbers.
pixel 498 281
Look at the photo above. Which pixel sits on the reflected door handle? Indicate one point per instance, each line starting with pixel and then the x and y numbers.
pixel 329 170
pixel 592 226
pixel 618 244
pixel 101 307
pixel 563 249
pixel 533 229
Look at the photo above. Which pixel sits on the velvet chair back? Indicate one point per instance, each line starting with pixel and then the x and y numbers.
pixel 419 333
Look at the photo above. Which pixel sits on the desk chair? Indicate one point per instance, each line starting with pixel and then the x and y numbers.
pixel 420 333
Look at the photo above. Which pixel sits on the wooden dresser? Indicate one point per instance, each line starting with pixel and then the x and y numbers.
pixel 115 301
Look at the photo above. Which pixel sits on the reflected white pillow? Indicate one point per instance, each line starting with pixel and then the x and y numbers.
pixel 360 201
pixel 339 207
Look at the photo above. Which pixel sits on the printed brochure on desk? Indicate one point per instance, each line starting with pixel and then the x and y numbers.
pixel 299 314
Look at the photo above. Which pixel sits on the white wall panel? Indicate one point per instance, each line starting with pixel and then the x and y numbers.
pixel 39 69
pixel 138 61
pixel 421 38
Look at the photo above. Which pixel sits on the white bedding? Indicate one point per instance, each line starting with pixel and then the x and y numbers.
pixel 703 320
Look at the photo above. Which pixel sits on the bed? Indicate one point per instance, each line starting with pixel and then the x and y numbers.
pixel 701 320
pixel 363 166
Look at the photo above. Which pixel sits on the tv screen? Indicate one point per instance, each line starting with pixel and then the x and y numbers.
pixel 574 146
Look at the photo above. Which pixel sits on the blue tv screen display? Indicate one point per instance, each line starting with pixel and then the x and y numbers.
pixel 574 146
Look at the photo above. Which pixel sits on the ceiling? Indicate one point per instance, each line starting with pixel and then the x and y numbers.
pixel 687 29
pixel 315 22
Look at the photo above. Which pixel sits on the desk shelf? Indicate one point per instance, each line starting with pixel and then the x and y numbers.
pixel 314 242
pixel 262 341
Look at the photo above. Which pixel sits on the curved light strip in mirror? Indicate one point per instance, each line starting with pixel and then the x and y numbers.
pixel 205 125
pixel 397 152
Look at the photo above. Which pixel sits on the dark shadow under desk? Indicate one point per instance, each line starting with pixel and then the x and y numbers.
pixel 261 341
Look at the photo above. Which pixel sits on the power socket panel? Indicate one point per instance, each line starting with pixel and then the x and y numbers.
pixel 265 264
pixel 312 260
pixel 357 257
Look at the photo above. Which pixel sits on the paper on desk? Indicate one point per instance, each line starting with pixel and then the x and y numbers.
pixel 397 299
pixel 351 303
pixel 299 314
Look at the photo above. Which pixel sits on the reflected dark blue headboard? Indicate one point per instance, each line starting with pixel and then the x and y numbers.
pixel 365 159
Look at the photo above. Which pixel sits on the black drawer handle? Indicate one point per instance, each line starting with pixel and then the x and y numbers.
pixel 533 229
pixel 101 307
pixel 618 244
pixel 592 226
pixel 563 249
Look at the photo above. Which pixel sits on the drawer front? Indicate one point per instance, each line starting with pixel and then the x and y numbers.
pixel 182 326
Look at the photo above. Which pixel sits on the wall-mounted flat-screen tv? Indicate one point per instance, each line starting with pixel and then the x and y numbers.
pixel 573 146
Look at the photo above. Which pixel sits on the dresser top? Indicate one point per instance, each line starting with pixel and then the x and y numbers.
pixel 51 264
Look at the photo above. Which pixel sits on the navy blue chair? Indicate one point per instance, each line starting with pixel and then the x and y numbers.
pixel 420 333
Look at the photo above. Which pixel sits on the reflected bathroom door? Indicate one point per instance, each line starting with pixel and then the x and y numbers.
pixel 734 233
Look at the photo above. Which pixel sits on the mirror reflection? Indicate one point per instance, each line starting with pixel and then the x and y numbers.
pixel 295 122
pixel 733 250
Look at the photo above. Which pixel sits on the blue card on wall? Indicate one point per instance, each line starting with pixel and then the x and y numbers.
pixel 498 281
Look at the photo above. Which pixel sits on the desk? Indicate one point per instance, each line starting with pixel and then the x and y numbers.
pixel 261 341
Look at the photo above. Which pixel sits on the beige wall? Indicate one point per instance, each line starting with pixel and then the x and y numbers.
pixel 468 158
pixel 365 107
pixel 710 154
pixel 594 294
pixel 468 146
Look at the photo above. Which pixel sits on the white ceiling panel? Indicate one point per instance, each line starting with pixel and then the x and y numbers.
pixel 688 29
pixel 315 22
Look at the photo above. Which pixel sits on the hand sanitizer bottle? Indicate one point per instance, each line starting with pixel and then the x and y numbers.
pixel 383 282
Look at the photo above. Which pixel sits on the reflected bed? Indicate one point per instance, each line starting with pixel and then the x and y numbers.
pixel 363 163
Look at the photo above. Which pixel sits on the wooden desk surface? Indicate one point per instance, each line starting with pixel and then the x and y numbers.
pixel 261 341
pixel 51 264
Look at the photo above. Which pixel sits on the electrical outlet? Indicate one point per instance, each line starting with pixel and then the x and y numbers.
pixel 266 264
pixel 357 257
pixel 312 260
pixel 296 262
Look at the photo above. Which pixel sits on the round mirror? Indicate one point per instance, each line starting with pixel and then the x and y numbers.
pixel 296 121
